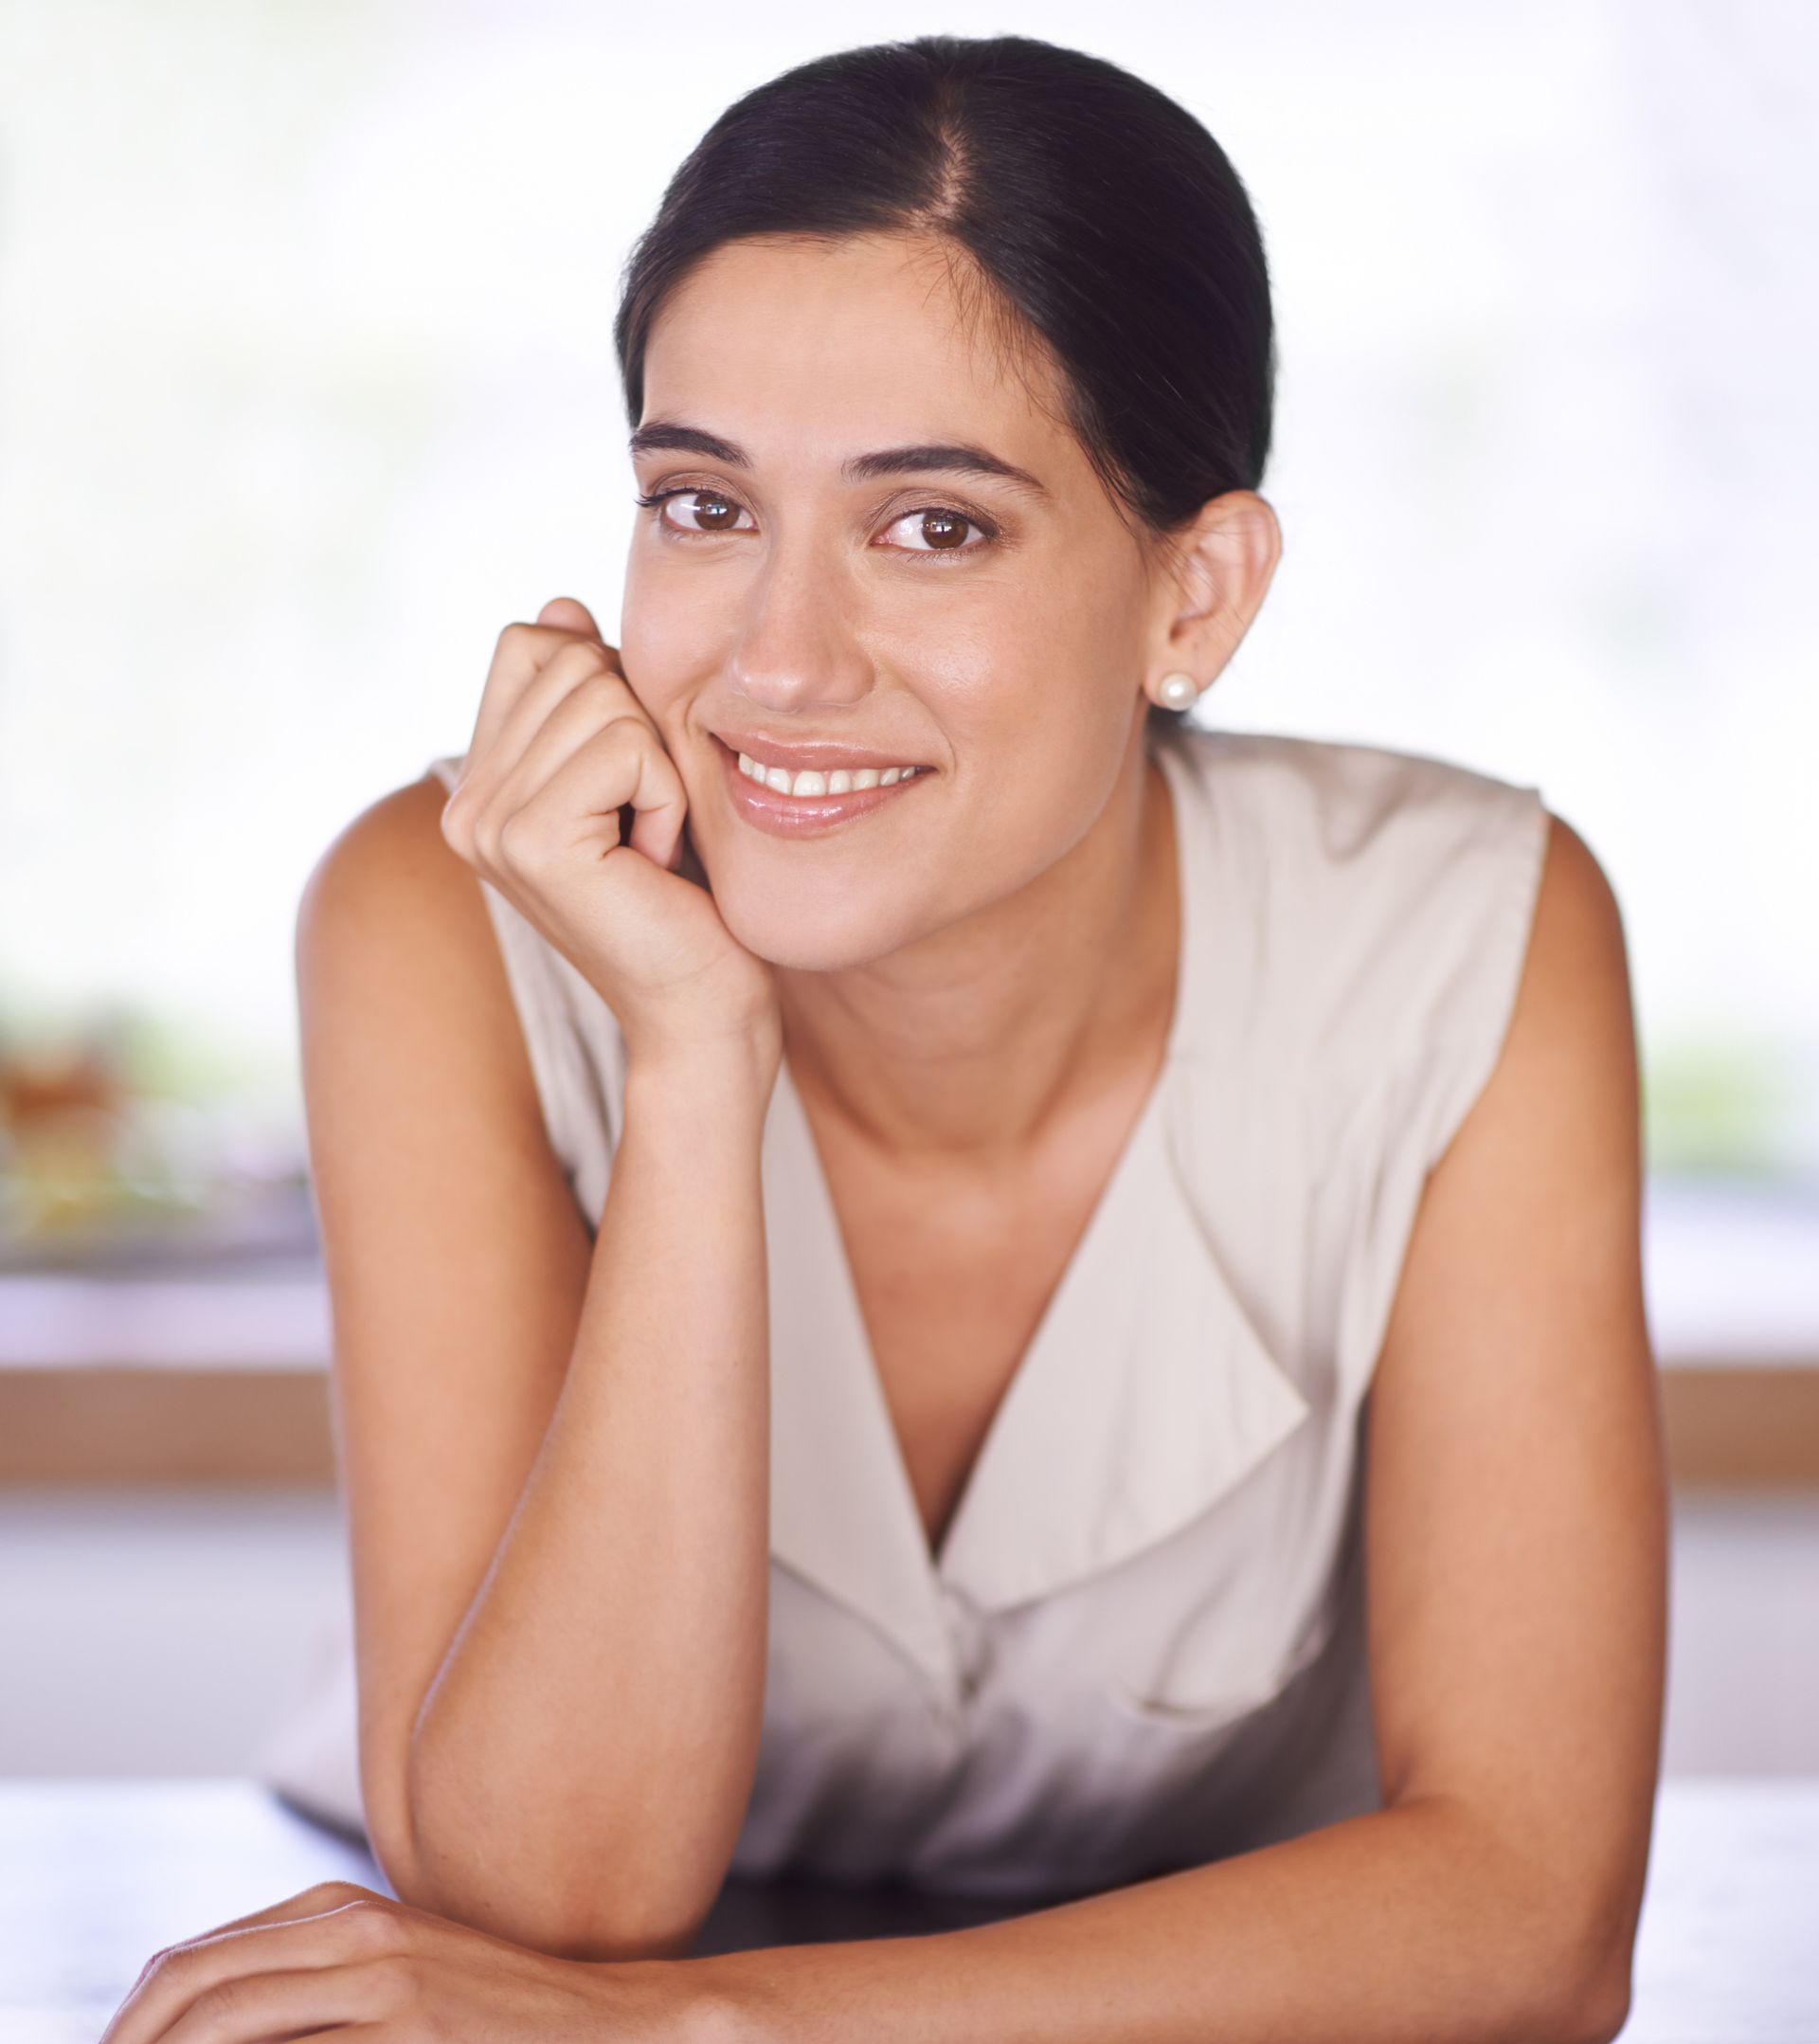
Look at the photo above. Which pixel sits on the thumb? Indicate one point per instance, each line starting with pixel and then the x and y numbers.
pixel 567 615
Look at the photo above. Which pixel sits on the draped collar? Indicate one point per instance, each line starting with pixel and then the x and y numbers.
pixel 1145 1395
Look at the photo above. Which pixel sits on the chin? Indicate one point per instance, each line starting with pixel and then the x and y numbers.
pixel 810 936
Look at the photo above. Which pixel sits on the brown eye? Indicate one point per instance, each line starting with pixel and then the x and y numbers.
pixel 711 513
pixel 939 529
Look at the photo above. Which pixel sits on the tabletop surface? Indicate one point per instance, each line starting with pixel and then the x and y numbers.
pixel 96 1875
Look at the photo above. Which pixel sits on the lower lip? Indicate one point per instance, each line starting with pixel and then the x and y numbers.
pixel 805 816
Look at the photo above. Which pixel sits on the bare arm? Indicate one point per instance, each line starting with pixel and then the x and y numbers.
pixel 554 1453
pixel 581 1765
pixel 1516 1542
pixel 1402 1924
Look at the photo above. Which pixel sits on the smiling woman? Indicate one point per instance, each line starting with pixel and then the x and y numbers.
pixel 884 1327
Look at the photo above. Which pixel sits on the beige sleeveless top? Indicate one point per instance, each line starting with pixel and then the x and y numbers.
pixel 1142 1647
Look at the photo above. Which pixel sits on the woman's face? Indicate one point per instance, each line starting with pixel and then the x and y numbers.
pixel 969 623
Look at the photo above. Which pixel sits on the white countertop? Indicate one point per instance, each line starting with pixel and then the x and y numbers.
pixel 96 1875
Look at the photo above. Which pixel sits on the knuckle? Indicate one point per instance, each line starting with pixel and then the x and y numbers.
pixel 602 684
pixel 374 1926
pixel 218 2004
pixel 518 843
pixel 456 827
pixel 173 1961
pixel 334 1891
pixel 403 1982
pixel 630 734
pixel 575 664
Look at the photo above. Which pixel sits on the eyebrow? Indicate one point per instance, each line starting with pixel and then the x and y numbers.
pixel 954 456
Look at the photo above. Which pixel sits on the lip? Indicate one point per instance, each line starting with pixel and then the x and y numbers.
pixel 805 816
pixel 817 753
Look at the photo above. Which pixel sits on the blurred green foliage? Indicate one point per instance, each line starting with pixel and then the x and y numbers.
pixel 1722 1107
pixel 127 1124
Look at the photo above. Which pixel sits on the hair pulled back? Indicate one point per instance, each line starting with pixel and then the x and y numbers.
pixel 1083 207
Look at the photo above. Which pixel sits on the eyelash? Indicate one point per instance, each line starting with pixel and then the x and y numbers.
pixel 696 489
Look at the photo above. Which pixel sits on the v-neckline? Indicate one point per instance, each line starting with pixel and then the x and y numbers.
pixel 1141 1142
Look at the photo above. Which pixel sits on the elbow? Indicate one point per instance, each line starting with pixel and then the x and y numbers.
pixel 391 1834
pixel 561 1924
pixel 1563 1948
pixel 1595 2014
pixel 574 1917
pixel 1600 2002
pixel 574 1920
pixel 1584 1979
pixel 1545 1993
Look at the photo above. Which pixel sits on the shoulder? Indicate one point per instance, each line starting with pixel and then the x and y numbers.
pixel 392 927
pixel 1573 1010
pixel 1383 897
pixel 1342 799
pixel 395 841
pixel 1578 921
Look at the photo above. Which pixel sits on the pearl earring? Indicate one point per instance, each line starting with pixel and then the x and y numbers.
pixel 1177 691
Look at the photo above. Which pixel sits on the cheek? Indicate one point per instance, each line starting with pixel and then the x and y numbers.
pixel 664 643
pixel 986 660
pixel 1052 680
pixel 1037 756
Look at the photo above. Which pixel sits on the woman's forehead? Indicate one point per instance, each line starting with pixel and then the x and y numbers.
pixel 815 353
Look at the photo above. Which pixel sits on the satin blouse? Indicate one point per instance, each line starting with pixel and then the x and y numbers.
pixel 1143 1645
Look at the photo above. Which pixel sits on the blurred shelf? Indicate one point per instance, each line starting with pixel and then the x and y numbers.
pixel 212 1367
pixel 259 1230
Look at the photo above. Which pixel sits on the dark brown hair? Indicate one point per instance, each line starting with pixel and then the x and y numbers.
pixel 1097 213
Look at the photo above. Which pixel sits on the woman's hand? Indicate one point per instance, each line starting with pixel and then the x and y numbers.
pixel 560 746
pixel 339 1957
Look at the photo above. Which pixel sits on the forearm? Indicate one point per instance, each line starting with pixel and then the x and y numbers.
pixel 1402 1925
pixel 581 1763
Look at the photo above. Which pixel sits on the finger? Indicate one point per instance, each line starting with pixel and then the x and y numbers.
pixel 349 2033
pixel 620 763
pixel 251 2008
pixel 312 1901
pixel 577 664
pixel 316 1927
pixel 567 615
pixel 519 655
pixel 580 718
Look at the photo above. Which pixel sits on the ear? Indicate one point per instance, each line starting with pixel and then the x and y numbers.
pixel 1216 571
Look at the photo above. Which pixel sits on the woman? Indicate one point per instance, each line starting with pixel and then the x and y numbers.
pixel 855 1297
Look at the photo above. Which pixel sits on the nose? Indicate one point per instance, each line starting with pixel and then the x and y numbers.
pixel 797 650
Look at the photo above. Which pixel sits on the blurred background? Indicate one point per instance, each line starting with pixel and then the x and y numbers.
pixel 307 389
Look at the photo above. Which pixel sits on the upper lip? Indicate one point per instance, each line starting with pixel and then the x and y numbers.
pixel 817 755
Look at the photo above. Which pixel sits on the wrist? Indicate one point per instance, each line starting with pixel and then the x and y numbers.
pixel 725 2003
pixel 733 1075
pixel 679 2000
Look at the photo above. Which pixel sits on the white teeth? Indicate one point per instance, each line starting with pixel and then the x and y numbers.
pixel 840 781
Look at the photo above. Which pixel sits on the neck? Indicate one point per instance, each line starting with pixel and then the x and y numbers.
pixel 970 1049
